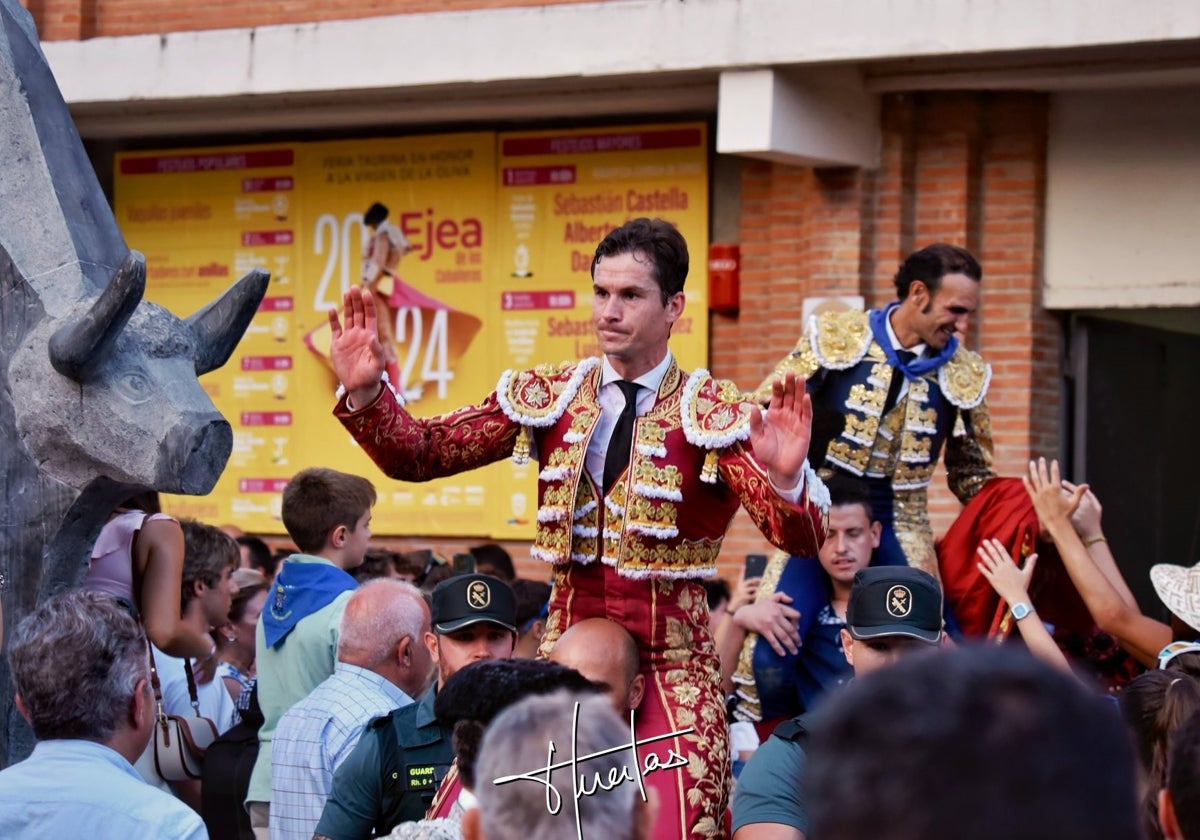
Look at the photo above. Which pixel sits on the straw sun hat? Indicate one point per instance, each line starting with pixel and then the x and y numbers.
pixel 1179 588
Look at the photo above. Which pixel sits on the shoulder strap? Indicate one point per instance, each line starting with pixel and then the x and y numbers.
pixel 191 682
pixel 794 730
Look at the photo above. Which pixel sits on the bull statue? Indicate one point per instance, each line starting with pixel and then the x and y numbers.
pixel 99 397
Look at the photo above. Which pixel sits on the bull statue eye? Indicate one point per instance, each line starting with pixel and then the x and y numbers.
pixel 133 386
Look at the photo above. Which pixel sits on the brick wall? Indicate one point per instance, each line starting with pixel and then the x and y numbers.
pixel 966 168
pixel 70 20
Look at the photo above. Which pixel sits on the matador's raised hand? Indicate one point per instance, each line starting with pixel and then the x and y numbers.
pixel 780 438
pixel 356 353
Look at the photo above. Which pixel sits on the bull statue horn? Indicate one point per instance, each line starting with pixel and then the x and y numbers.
pixel 80 345
pixel 218 327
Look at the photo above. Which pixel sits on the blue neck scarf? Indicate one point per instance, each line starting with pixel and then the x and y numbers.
pixel 916 368
pixel 299 590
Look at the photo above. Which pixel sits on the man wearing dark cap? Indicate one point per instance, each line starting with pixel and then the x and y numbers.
pixel 893 611
pixel 401 759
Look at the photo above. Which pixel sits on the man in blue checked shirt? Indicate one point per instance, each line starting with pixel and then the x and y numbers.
pixel 382 664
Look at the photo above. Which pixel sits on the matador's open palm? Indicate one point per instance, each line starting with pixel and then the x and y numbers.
pixel 780 438
pixel 356 353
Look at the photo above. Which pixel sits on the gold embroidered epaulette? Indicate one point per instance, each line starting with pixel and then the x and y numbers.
pixel 839 340
pixel 800 361
pixel 714 416
pixel 964 379
pixel 539 396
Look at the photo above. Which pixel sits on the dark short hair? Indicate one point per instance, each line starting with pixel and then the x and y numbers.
pixel 532 598
pixel 478 692
pixel 260 554
pixel 375 215
pixel 377 563
pixel 319 499
pixel 932 263
pixel 492 559
pixel 847 489
pixel 716 590
pixel 1183 777
pixel 1154 705
pixel 657 241
pixel 983 742
pixel 207 551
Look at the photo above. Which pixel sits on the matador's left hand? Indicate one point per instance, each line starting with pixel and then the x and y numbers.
pixel 780 438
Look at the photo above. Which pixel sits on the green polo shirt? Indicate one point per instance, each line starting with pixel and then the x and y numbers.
pixel 391 776
pixel 289 671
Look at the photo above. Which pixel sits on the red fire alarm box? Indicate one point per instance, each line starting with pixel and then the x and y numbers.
pixel 724 264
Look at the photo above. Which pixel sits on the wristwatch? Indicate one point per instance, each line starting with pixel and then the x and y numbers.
pixel 1021 610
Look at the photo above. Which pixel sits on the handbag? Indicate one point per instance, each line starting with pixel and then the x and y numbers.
pixel 180 741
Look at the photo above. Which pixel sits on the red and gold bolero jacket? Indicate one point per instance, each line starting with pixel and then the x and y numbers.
pixel 665 517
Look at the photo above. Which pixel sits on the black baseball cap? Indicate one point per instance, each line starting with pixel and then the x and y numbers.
pixel 895 601
pixel 464 600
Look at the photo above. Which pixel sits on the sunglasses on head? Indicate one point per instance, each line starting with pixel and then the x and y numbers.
pixel 1174 649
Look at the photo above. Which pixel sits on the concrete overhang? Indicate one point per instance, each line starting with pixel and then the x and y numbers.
pixel 603 60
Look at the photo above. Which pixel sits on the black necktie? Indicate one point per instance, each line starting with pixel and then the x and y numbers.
pixel 617 457
pixel 893 393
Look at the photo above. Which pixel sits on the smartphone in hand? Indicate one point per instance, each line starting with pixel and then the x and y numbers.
pixel 464 564
pixel 756 564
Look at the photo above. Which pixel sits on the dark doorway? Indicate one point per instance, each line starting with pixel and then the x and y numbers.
pixel 1138 444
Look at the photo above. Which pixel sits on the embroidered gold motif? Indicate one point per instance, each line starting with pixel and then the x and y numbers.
pixel 553 538
pixel 867 400
pixel 922 420
pixel 688 556
pixel 861 429
pixel 533 393
pixel 651 514
pixel 853 458
pixel 907 478
pixel 915 450
pixel 652 435
pixel 969 456
pixel 964 379
pixel 842 337
pixel 581 422
pixel 912 529
pixel 567 456
pixel 557 495
pixel 747 706
pixel 718 408
pixel 666 481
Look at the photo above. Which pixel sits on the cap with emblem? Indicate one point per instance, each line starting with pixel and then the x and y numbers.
pixel 464 600
pixel 895 601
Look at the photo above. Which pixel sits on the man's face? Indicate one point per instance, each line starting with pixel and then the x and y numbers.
pixel 452 651
pixel 218 598
pixel 849 541
pixel 632 325
pixel 869 655
pixel 946 311
pixel 358 540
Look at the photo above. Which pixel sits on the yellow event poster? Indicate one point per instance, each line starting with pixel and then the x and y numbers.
pixel 497 233
pixel 439 194
pixel 560 193
pixel 205 216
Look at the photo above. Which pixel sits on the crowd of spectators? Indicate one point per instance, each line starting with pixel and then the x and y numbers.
pixel 403 696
